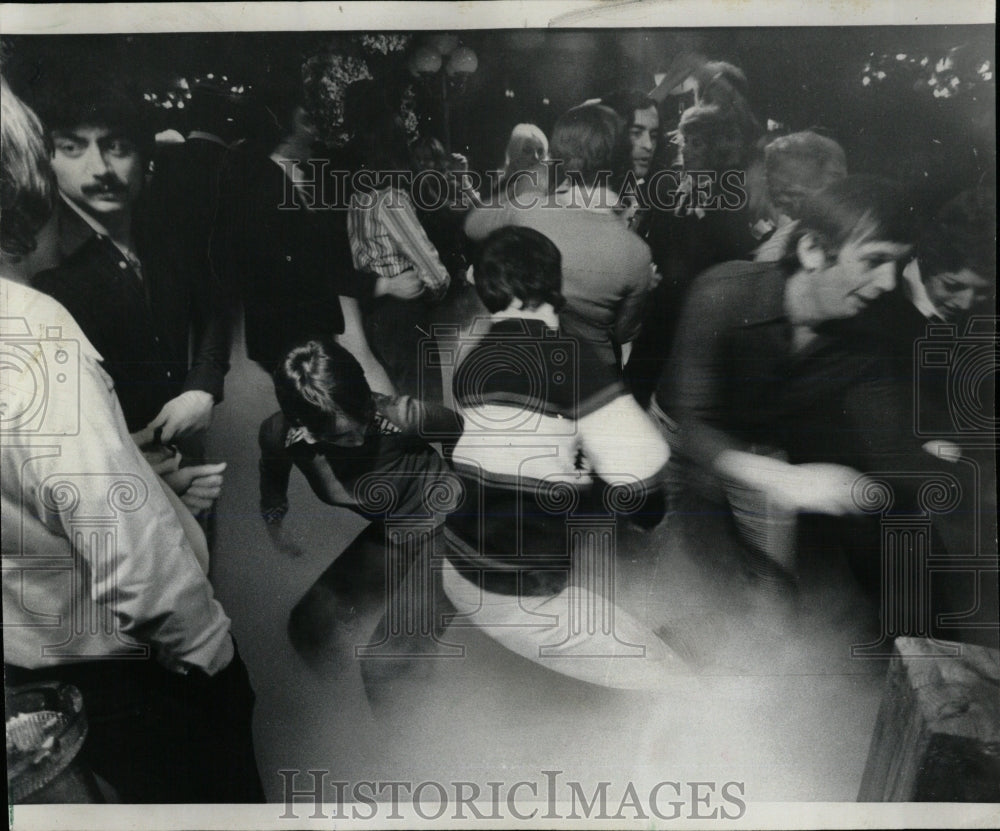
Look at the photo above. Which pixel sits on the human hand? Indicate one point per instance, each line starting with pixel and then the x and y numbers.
pixel 941 449
pixel 163 459
pixel 816 487
pixel 404 286
pixel 190 412
pixel 198 486
pixel 823 488
pixel 655 277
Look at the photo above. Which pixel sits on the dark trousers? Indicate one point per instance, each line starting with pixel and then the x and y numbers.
pixel 395 329
pixel 159 737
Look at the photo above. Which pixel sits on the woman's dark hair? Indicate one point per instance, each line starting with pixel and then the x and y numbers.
pixel 377 133
pixel 320 378
pixel 519 264
pixel 590 146
pixel 961 235
pixel 27 186
pixel 724 85
pixel 719 131
pixel 855 207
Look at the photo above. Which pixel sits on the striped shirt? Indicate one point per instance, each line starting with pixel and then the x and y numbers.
pixel 544 419
pixel 387 238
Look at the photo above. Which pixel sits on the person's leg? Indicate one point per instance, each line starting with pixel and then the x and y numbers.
pixel 395 329
pixel 576 632
pixel 408 640
pixel 340 608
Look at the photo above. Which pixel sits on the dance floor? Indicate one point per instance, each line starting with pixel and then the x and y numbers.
pixel 774 700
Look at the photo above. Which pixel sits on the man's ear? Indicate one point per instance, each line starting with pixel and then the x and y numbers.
pixel 811 255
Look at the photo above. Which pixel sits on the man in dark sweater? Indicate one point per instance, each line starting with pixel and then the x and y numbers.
pixel 139 299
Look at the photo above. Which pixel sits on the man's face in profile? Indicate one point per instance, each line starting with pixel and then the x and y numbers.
pixel 862 270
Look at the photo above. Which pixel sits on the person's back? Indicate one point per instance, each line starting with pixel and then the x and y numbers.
pixel 551 442
pixel 606 271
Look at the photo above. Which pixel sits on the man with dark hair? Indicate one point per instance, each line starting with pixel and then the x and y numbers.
pixel 699 218
pixel 548 434
pixel 167 698
pixel 138 297
pixel 606 273
pixel 642 120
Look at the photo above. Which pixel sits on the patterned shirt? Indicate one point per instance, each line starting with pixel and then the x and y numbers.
pixel 387 238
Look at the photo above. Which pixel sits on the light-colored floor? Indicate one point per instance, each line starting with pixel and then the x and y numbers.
pixel 778 703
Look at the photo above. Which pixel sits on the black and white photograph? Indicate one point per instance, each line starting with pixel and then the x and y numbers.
pixel 499 415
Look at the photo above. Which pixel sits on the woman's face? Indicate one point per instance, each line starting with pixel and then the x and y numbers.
pixel 342 430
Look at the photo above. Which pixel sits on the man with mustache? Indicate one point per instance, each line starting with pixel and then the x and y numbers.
pixel 138 298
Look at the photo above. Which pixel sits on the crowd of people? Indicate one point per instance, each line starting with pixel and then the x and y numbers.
pixel 713 319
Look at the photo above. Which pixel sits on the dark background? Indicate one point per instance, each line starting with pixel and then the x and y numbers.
pixel 800 77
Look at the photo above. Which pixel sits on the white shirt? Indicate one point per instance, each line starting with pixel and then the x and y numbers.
pixel 95 561
pixel 914 286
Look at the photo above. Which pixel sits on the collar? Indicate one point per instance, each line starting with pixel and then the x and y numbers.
pixel 212 137
pixel 76 237
pixel 95 226
pixel 913 284
pixel 764 302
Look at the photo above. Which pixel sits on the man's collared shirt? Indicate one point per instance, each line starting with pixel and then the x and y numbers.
pixel 735 380
pixel 95 562
pixel 141 325
pixel 102 233
pixel 914 286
